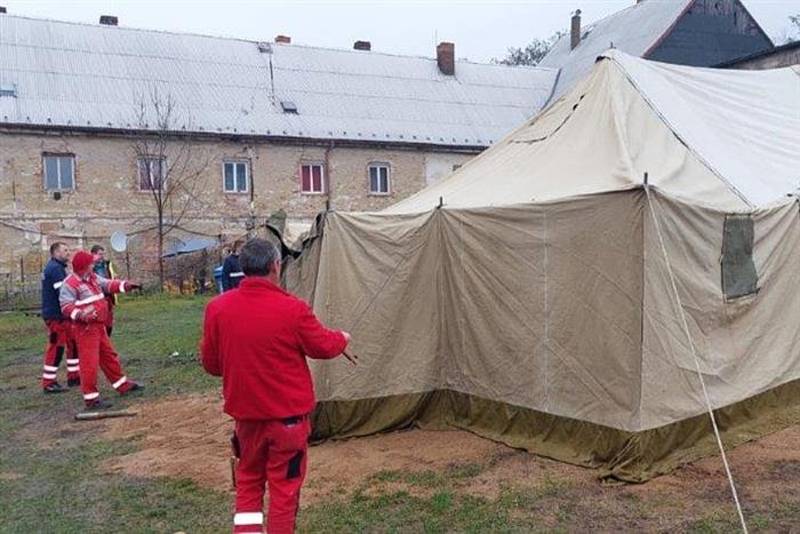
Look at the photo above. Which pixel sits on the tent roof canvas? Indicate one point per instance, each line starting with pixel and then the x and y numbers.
pixel 718 137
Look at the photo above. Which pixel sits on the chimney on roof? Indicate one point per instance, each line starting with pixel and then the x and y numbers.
pixel 285 39
pixel 575 30
pixel 3 9
pixel 362 45
pixel 109 20
pixel 446 58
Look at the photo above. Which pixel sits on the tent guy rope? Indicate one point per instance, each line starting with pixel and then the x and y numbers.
pixel 685 325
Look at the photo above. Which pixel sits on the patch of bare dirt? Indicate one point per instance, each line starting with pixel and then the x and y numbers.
pixel 189 437
pixel 186 437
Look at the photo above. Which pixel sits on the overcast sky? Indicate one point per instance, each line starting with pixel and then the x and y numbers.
pixel 481 30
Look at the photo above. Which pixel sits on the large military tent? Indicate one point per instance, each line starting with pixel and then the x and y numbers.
pixel 565 291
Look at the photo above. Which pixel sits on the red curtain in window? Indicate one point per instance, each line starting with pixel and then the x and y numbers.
pixel 306 177
pixel 144 175
pixel 317 175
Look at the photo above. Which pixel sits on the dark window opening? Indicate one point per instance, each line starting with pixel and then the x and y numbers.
pixel 739 276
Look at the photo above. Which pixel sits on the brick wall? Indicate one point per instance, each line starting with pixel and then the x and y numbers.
pixel 107 198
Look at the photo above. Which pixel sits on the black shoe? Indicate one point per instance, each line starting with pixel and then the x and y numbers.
pixel 73 382
pixel 98 404
pixel 55 387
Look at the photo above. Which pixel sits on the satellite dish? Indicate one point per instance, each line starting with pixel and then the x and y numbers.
pixel 119 241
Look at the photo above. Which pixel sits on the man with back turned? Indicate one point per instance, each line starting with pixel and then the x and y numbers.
pixel 257 339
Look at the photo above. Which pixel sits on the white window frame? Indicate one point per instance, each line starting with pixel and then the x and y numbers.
pixel 235 163
pixel 58 157
pixel 379 165
pixel 323 178
pixel 148 160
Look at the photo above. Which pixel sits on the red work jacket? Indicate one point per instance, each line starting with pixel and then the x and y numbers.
pixel 257 338
pixel 78 294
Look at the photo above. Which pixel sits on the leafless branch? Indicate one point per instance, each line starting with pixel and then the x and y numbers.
pixel 166 164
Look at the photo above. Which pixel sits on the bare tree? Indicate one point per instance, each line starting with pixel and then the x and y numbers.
pixel 168 165
pixel 795 20
pixel 532 54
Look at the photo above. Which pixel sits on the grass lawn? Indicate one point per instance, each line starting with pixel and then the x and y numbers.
pixel 49 477
pixel 52 477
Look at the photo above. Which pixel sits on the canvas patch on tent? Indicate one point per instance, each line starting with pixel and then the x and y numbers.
pixel 739 276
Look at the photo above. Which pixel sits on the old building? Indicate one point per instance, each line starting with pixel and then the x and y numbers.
pixel 99 123
pixel 94 117
pixel 700 33
pixel 781 56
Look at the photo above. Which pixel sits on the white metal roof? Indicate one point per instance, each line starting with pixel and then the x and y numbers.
pixel 633 30
pixel 92 76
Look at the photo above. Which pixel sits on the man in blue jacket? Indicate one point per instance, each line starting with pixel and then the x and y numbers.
pixel 231 271
pixel 59 328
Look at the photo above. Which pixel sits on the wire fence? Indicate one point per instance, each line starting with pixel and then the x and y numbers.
pixel 21 289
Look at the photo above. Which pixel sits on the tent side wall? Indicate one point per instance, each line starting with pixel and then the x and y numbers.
pixel 738 281
pixel 484 319
pixel 543 306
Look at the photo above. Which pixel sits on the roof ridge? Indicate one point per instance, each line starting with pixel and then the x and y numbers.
pixel 256 42
pixel 594 24
pixel 105 27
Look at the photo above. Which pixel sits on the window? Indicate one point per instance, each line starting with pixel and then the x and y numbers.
pixel 379 179
pixel 236 176
pixel 312 178
pixel 59 172
pixel 151 173
pixel 739 276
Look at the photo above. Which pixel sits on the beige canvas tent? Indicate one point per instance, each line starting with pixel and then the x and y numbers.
pixel 561 292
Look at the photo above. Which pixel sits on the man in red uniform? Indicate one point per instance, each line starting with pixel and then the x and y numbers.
pixel 257 338
pixel 83 300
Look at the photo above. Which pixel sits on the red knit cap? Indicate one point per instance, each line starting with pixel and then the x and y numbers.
pixel 81 262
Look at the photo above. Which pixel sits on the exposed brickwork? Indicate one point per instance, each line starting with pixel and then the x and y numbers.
pixel 106 197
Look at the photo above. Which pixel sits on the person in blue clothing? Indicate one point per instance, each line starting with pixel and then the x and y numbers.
pixel 231 271
pixel 59 329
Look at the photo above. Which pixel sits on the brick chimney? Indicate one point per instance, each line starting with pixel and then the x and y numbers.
pixel 575 30
pixel 109 20
pixel 285 39
pixel 362 45
pixel 446 58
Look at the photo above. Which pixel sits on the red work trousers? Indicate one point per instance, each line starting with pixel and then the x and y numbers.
pixel 271 452
pixel 59 342
pixel 96 350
